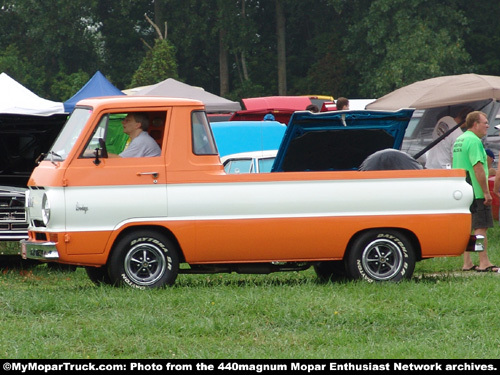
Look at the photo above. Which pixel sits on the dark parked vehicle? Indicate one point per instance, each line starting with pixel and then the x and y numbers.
pixel 22 139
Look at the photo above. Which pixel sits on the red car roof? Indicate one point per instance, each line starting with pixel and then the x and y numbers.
pixel 294 103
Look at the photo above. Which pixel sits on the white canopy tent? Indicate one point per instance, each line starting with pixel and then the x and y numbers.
pixel 17 99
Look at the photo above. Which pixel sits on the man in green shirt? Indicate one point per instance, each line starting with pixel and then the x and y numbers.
pixel 469 154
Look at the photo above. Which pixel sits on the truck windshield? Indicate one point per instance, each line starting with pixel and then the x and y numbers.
pixel 69 134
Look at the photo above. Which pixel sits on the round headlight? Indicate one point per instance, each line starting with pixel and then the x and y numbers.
pixel 45 209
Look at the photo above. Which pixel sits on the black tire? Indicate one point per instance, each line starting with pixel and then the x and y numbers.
pixel 330 271
pixel 381 255
pixel 99 275
pixel 144 259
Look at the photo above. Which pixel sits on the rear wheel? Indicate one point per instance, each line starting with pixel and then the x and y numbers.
pixel 144 259
pixel 381 255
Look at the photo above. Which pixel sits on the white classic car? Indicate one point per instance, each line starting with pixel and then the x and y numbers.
pixel 249 162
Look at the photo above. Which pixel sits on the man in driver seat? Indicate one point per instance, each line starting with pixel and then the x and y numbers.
pixel 141 144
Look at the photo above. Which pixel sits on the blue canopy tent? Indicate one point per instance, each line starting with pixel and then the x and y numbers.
pixel 98 85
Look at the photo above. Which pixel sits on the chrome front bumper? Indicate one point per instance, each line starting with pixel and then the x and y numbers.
pixel 39 250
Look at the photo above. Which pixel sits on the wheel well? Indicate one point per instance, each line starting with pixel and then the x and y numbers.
pixel 407 233
pixel 156 228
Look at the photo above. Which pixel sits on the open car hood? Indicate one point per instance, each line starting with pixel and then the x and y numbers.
pixel 338 140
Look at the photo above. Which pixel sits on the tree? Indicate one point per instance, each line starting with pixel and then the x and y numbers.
pixel 281 47
pixel 50 37
pixel 238 33
pixel 64 85
pixel 121 29
pixel 482 43
pixel 159 63
pixel 316 61
pixel 420 39
pixel 362 48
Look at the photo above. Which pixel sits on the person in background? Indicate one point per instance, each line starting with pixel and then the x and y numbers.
pixel 439 157
pixel 491 159
pixel 313 108
pixel 342 104
pixel 469 154
pixel 269 117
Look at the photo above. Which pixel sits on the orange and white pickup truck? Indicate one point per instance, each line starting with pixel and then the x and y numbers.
pixel 141 221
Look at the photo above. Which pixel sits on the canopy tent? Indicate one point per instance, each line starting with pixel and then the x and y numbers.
pixel 17 99
pixel 441 91
pixel 135 90
pixel 443 96
pixel 172 88
pixel 98 85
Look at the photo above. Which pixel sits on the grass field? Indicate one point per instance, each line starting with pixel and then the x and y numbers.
pixel 441 313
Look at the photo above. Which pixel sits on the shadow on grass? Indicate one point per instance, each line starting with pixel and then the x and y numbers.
pixel 277 279
pixel 15 262
pixel 436 277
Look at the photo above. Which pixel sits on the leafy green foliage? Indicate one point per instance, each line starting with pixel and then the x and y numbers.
pixel 66 85
pixel 120 27
pixel 18 67
pixel 362 48
pixel 399 42
pixel 158 65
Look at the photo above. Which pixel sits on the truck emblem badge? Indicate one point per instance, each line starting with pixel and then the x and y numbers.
pixel 81 208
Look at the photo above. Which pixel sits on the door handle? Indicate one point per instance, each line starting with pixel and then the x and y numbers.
pixel 154 174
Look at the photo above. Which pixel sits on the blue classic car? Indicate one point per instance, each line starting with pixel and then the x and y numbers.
pixel 234 137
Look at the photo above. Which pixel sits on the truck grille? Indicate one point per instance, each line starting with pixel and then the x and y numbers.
pixel 13 223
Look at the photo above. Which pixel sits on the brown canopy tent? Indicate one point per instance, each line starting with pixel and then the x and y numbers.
pixel 441 91
pixel 441 96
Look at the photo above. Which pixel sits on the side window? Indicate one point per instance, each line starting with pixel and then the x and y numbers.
pixel 265 165
pixel 235 166
pixel 203 140
pixel 126 135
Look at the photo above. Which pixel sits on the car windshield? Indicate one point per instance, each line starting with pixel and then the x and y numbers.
pixel 69 134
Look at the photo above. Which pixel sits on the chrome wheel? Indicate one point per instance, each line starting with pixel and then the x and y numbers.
pixel 381 255
pixel 382 259
pixel 145 264
pixel 144 259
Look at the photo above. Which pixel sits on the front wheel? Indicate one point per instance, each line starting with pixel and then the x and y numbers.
pixel 381 255
pixel 144 259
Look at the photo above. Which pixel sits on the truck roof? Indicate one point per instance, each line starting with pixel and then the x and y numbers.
pixel 139 101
